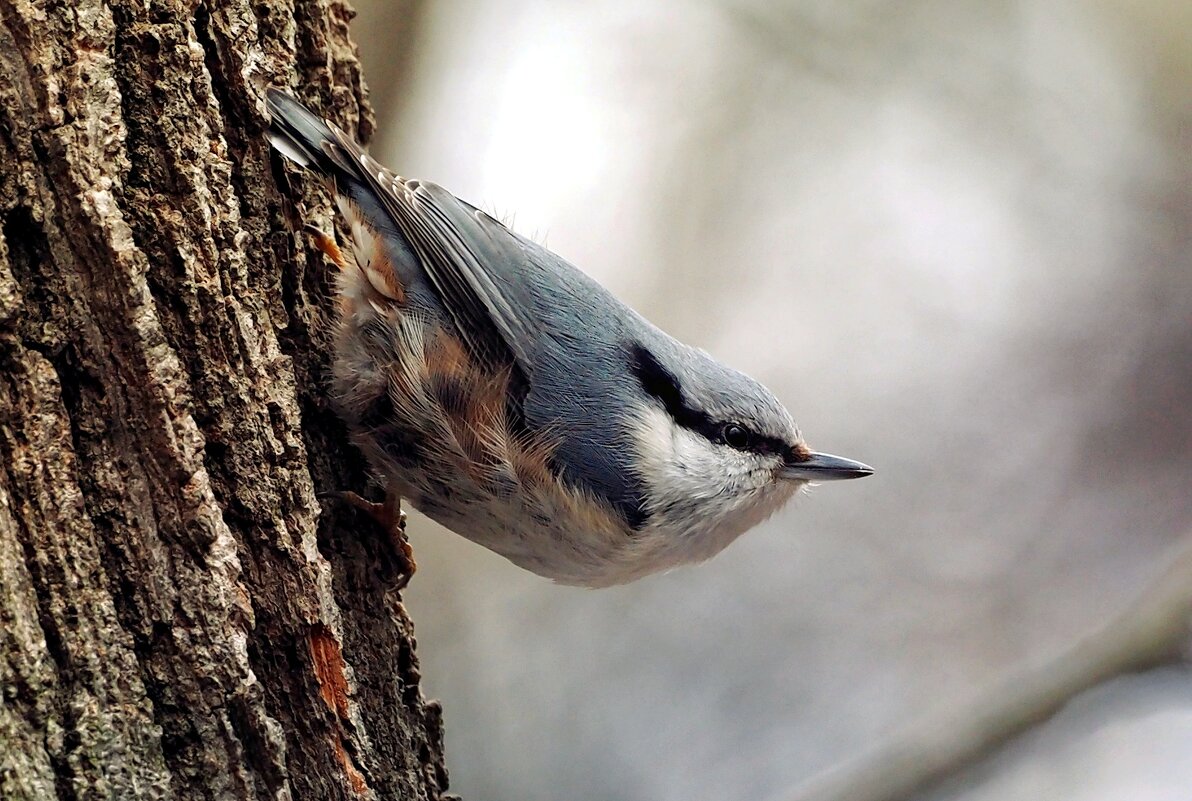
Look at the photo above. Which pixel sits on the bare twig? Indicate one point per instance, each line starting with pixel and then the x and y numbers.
pixel 1154 630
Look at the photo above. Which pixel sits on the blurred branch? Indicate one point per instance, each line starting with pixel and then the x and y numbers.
pixel 389 34
pixel 1154 630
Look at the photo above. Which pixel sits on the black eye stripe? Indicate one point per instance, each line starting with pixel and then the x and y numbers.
pixel 767 445
pixel 659 383
pixel 752 441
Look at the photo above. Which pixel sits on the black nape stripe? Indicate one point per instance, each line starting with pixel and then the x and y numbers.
pixel 660 383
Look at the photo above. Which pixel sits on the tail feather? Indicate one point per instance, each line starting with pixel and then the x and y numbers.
pixel 377 248
pixel 305 139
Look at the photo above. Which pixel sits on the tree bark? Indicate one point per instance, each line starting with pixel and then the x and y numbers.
pixel 177 617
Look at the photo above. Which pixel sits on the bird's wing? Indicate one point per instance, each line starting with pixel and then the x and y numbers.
pixel 457 244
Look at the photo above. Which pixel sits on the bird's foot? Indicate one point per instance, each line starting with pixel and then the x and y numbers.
pixel 326 243
pixel 389 516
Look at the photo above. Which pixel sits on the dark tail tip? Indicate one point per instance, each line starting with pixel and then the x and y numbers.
pixel 296 131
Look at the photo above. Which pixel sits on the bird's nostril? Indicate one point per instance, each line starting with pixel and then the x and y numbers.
pixel 799 453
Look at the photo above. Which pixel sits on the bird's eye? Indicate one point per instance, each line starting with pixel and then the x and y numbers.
pixel 734 436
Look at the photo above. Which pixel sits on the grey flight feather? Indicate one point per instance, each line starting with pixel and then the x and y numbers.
pixel 453 240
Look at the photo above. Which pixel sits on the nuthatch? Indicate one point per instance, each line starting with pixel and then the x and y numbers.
pixel 514 400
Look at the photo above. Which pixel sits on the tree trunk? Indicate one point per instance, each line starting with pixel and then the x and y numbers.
pixel 177 617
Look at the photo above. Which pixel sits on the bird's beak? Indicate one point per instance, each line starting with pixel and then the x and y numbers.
pixel 824 467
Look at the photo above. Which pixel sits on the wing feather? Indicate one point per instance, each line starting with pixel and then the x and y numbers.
pixel 459 246
pixel 455 243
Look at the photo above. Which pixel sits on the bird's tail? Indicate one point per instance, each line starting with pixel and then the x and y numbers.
pixel 377 248
pixel 304 138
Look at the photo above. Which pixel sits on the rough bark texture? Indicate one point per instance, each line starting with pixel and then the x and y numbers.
pixel 177 617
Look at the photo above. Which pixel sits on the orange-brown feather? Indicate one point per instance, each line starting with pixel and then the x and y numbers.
pixel 391 287
pixel 473 400
pixel 371 276
pixel 328 247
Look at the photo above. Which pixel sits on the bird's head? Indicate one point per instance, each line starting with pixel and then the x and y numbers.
pixel 717 451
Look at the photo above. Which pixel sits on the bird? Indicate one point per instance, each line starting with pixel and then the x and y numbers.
pixel 510 397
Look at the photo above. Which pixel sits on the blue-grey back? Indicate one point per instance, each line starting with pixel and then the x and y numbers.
pixel 579 384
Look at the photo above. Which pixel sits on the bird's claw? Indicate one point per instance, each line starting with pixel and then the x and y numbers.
pixel 389 515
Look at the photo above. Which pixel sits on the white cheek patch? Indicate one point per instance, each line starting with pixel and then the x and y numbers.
pixel 654 441
pixel 679 465
pixel 706 493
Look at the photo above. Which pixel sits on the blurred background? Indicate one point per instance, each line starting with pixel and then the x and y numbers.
pixel 955 237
